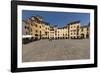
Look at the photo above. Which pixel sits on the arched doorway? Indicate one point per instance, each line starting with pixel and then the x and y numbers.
pixel 87 36
pixel 36 36
pixel 82 36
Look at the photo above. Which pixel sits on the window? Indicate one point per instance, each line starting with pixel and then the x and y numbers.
pixel 35 25
pixel 36 34
pixel 87 29
pixel 46 33
pixel 78 26
pixel 82 29
pixel 71 33
pixel 74 33
pixel 40 33
pixel 36 31
pixel 25 27
pixel 71 26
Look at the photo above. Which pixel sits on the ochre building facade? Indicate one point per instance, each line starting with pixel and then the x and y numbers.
pixel 39 29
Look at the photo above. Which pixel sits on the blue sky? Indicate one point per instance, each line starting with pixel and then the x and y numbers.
pixel 58 18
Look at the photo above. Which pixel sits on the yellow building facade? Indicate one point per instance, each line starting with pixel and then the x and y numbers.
pixel 85 31
pixel 74 29
pixel 62 33
pixel 39 29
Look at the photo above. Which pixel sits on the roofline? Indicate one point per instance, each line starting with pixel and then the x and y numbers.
pixel 84 26
pixel 71 23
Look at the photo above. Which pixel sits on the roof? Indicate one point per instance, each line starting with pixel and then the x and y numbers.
pixel 24 21
pixel 45 23
pixel 65 26
pixel 60 28
pixel 85 26
pixel 37 16
pixel 71 23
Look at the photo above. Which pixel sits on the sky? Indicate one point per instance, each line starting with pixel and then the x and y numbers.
pixel 58 18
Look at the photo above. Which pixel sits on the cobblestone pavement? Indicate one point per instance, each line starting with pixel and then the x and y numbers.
pixel 45 50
